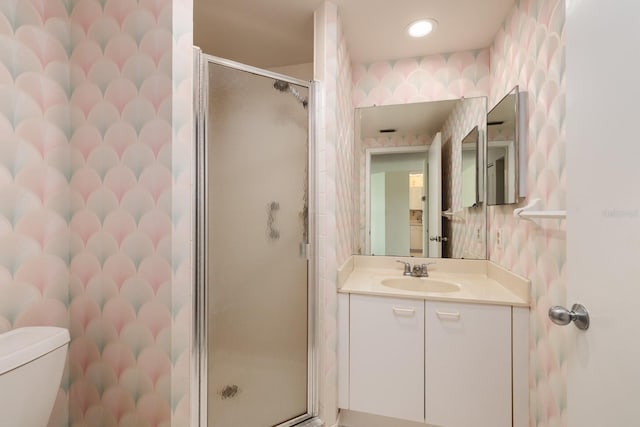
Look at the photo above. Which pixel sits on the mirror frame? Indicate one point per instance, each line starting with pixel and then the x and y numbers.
pixel 370 152
pixel 517 148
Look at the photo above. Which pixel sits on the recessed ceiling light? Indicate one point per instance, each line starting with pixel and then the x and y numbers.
pixel 421 28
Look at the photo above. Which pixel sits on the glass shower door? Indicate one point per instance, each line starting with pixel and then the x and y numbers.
pixel 257 213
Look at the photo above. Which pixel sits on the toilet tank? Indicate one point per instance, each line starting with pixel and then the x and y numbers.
pixel 31 365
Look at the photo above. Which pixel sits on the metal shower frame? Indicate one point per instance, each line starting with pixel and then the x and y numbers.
pixel 199 349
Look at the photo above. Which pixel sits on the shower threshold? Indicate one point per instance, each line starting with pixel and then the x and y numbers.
pixel 313 422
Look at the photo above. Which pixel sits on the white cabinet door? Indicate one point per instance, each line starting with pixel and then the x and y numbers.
pixel 387 357
pixel 468 365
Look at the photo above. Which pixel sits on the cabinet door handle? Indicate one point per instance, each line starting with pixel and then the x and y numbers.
pixel 404 311
pixel 445 315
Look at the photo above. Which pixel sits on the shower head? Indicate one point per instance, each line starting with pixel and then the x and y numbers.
pixel 282 86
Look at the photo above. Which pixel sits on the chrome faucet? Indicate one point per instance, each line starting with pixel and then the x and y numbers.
pixel 407 268
pixel 417 270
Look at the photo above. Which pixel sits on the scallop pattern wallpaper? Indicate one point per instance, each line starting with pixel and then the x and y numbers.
pixel 121 224
pixel 467 238
pixel 346 193
pixel 429 78
pixel 88 211
pixel 35 169
pixel 529 51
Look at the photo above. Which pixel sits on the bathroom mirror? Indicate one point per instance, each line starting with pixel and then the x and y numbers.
pixel 408 167
pixel 471 172
pixel 503 148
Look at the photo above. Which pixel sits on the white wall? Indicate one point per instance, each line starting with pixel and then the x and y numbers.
pixel 299 71
pixel 397 213
pixel 603 208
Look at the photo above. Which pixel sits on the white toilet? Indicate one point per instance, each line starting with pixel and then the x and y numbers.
pixel 31 366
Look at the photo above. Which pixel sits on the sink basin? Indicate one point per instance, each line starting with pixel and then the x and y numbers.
pixel 421 284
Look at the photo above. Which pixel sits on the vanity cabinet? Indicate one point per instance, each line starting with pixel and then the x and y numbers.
pixel 386 361
pixel 445 364
pixel 468 365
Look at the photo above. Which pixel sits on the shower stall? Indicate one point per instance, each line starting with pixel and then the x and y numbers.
pixel 255 293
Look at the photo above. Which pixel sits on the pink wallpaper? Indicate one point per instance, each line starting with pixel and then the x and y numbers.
pixel 121 221
pixel 345 191
pixel 430 78
pixel 529 51
pixel 34 169
pixel 87 169
pixel 467 114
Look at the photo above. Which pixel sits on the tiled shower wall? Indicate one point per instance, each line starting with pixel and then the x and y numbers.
pixel 87 214
pixel 325 71
pixel 336 195
pixel 529 51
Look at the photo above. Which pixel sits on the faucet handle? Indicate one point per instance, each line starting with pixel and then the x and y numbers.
pixel 423 267
pixel 407 267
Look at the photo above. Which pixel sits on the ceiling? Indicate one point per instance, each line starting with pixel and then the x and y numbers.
pixel 425 118
pixel 262 33
pixel 272 33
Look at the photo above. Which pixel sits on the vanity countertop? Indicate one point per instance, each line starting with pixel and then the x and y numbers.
pixel 480 282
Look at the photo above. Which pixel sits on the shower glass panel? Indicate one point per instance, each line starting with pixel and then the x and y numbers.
pixel 257 213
